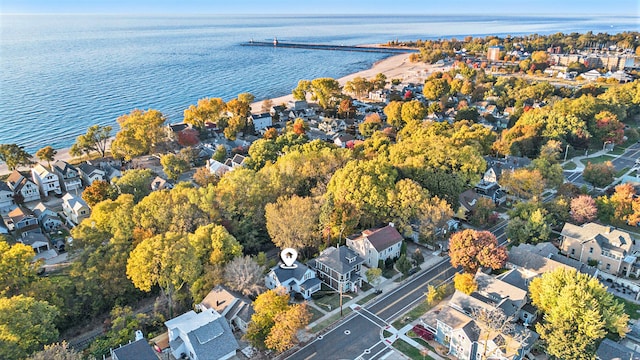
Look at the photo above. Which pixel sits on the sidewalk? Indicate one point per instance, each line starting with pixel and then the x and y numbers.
pixel 402 334
pixel 386 286
pixel 578 160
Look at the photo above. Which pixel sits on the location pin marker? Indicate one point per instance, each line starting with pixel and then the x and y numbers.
pixel 288 256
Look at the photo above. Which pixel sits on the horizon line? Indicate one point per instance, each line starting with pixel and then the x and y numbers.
pixel 626 15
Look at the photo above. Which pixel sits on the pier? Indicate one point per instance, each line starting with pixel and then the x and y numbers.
pixel 371 49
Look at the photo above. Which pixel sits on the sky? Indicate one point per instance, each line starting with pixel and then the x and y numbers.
pixel 284 7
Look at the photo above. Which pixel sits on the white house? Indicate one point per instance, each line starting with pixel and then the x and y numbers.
pixel 160 184
pixel 21 183
pixel 68 174
pixel 374 245
pixel 261 121
pixel 300 279
pixel 75 208
pixel 591 75
pixel 217 168
pixel 6 196
pixel 91 173
pixel 201 336
pixel 46 180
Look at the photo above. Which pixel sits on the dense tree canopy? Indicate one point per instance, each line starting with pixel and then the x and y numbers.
pixel 578 312
pixel 206 110
pixel 95 139
pixel 472 249
pixel 140 131
pixel 14 155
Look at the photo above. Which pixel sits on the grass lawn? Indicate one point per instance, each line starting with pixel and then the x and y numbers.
pixel 329 301
pixel 622 172
pixel 321 326
pixel 366 298
pixel 415 313
pixel 597 160
pixel 630 308
pixel 420 340
pixel 389 273
pixel 570 166
pixel 409 350
pixel 315 313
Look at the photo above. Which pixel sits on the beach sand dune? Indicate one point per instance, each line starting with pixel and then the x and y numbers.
pixel 394 67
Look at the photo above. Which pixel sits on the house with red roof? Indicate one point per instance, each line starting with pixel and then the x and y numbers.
pixel 374 245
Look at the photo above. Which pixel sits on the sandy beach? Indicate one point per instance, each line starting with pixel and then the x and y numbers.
pixel 394 67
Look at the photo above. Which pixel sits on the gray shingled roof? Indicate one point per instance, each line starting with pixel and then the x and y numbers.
pixel 336 259
pixel 214 340
pixel 521 257
pixel 284 274
pixel 137 350
pixel 610 350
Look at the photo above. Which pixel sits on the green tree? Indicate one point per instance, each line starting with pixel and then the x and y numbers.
pixel 25 326
pixel 221 154
pixel 530 227
pixel 472 249
pixel 136 182
pixel 174 165
pixel 164 260
pixel 293 222
pixel 358 86
pixel 17 267
pixel 47 154
pixel 467 113
pixel 578 313
pixel 373 275
pixel 326 91
pixel 95 139
pixel 140 132
pixel 465 283
pixel 207 110
pixel 371 124
pixel 413 110
pixel 599 175
pixel 14 156
pixel 393 111
pixel 403 265
pixel 482 212
pixel 301 91
pixel 434 89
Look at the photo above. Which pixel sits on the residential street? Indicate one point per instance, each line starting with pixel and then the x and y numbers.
pixel 359 335
pixel 625 160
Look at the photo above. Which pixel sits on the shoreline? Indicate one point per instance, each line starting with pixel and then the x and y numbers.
pixel 395 66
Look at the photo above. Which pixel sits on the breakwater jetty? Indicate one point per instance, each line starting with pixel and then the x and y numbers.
pixel 372 49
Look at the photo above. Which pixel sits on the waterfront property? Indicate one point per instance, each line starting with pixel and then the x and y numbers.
pixel 46 180
pixel 21 184
pixel 68 175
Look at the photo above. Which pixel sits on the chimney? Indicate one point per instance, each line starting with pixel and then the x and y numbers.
pixel 139 335
pixel 392 224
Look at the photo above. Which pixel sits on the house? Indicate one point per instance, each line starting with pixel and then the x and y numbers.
pixel 611 250
pixel 339 268
pixel 297 105
pixel 376 245
pixel 457 327
pixel 491 191
pixel 68 175
pixel 493 52
pixel 21 183
pixel 343 139
pixel 75 208
pixel 91 173
pixel 38 242
pixel 236 161
pixel 173 130
pixel 21 219
pixel 237 309
pixel 591 75
pixel 261 121
pixel 201 336
pixel 137 350
pixel 160 184
pixel 6 196
pixel 611 350
pixel 48 219
pixel 111 172
pixel 467 200
pixel 299 279
pixel 46 180
pixel 217 168
pixel 279 113
pixel 331 125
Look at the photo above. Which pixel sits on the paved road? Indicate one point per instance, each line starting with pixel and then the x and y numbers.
pixel 358 336
pixel 626 160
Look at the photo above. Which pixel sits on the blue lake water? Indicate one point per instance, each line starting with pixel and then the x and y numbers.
pixel 59 74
